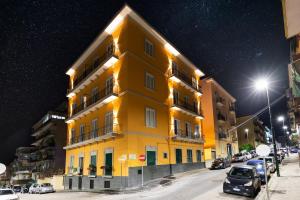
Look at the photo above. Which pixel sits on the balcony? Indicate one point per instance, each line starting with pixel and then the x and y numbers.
pixel 221 118
pixel 220 101
pixel 182 135
pixel 187 108
pixel 100 98
pixel 185 80
pixel 232 109
pixel 223 136
pixel 100 134
pixel 234 139
pixel 90 73
pixel 232 123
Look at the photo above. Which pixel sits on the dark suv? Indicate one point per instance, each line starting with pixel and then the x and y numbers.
pixel 242 180
pixel 220 163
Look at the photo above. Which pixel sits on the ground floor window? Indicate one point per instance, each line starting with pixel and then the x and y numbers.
pixel 189 154
pixel 151 158
pixel 178 156
pixel 108 164
pixel 80 165
pixel 93 165
pixel 198 155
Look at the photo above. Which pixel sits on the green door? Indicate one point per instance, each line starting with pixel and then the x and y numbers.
pixel 178 156
pixel 151 158
pixel 108 164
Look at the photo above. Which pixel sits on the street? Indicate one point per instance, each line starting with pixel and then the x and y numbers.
pixel 200 184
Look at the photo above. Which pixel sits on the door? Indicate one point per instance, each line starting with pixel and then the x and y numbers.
pixel 176 127
pixel 229 151
pixel 79 182
pixel 109 86
pixel 151 158
pixel 175 96
pixel 94 132
pixel 80 165
pixel 108 164
pixel 70 184
pixel 178 156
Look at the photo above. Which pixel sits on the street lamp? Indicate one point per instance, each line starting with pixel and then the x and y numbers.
pixel 262 84
pixel 285 127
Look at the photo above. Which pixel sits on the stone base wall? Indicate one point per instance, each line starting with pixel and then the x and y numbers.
pixel 133 180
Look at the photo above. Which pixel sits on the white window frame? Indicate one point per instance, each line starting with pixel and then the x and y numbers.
pixel 94 127
pixel 81 132
pixel 108 122
pixel 150 117
pixel 149 48
pixel 109 85
pixel 149 81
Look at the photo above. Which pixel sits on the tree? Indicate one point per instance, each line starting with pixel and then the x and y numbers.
pixel 246 147
pixel 295 140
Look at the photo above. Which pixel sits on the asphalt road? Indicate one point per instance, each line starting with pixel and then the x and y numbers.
pixel 203 184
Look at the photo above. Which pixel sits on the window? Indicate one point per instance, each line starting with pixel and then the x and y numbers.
pixel 73 136
pixel 175 96
pixel 178 153
pixel 176 127
pixel 74 105
pixel 197 130
pixel 151 158
pixel 95 94
pixel 81 133
pixel 93 164
pixel 94 131
pixel 149 81
pixel 186 100
pixel 80 164
pixel 91 184
pixel 83 101
pixel 198 155
pixel 194 83
pixel 150 118
pixel 109 84
pixel 174 68
pixel 71 165
pixel 108 122
pixel 149 49
pixel 189 155
pixel 188 129
pixel 110 49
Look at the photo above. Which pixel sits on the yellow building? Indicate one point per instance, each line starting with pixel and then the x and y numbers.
pixel 132 94
pixel 220 119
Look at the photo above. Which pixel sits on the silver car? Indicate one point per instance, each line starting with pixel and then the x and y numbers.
pixel 270 162
pixel 41 188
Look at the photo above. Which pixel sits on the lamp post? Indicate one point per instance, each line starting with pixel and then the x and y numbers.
pixel 262 84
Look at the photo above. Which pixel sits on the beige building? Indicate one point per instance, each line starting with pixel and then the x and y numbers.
pixel 219 121
pixel 251 132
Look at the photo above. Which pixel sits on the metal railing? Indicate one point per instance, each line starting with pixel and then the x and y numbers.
pixel 221 117
pixel 106 130
pixel 220 100
pixel 90 69
pixel 190 107
pixel 223 135
pixel 107 91
pixel 185 78
pixel 185 134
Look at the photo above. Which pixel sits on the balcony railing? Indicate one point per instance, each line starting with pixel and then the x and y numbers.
pixel 220 101
pixel 185 135
pixel 222 135
pixel 221 117
pixel 106 130
pixel 90 69
pixel 185 78
pixel 102 94
pixel 185 105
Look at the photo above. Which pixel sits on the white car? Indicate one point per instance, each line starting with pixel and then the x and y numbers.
pixel 270 162
pixel 41 189
pixel 8 194
pixel 248 155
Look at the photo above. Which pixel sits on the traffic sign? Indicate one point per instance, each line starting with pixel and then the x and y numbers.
pixel 263 150
pixel 142 157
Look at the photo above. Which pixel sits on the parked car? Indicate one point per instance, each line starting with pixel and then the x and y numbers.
pixel 248 155
pixel 253 153
pixel 17 188
pixel 294 150
pixel 220 163
pixel 8 194
pixel 279 157
pixel 270 162
pixel 239 157
pixel 41 189
pixel 243 180
pixel 259 164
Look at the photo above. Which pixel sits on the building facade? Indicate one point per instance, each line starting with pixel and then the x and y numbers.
pixel 46 156
pixel 220 120
pixel 250 131
pixel 132 96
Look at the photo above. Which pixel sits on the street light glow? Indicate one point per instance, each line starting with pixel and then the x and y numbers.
pixel 284 127
pixel 280 118
pixel 261 84
pixel 246 130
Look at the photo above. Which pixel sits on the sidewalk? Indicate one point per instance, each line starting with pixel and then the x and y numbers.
pixel 286 186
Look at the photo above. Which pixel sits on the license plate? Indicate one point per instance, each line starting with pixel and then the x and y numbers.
pixel 236 189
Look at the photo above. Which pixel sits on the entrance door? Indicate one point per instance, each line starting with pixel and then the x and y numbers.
pixel 79 182
pixel 108 164
pixel 70 184
pixel 178 156
pixel 229 150
pixel 151 158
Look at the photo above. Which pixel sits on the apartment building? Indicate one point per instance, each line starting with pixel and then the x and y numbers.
pixel 132 96
pixel 252 131
pixel 220 119
pixel 46 156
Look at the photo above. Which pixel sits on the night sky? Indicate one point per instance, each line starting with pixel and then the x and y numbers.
pixel 233 41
